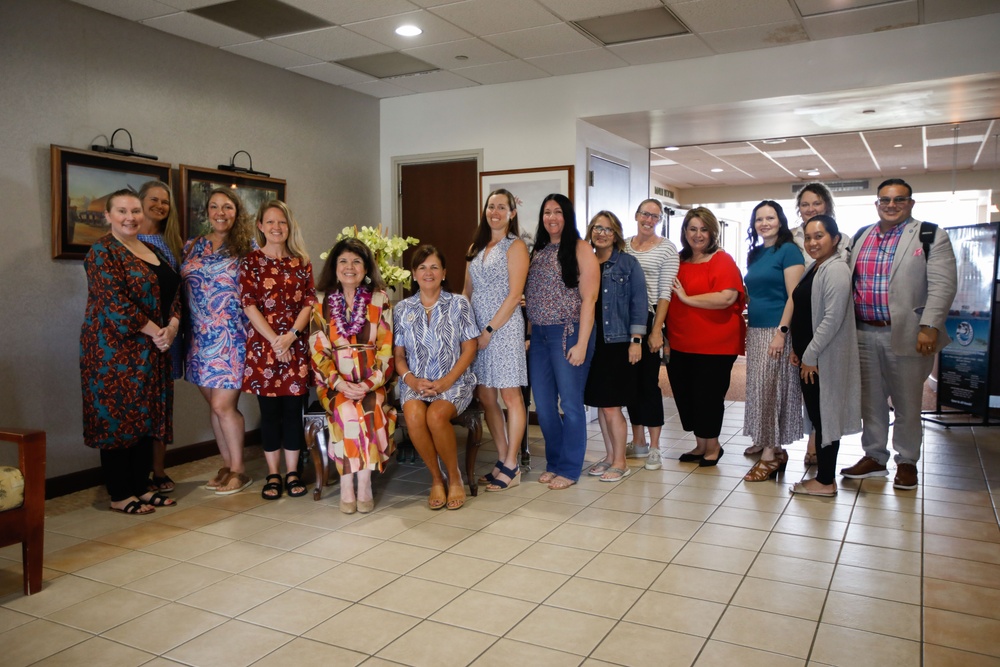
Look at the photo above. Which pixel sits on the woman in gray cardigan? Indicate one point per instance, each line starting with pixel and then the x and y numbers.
pixel 825 346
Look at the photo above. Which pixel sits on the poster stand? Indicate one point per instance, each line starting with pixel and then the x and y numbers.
pixel 964 367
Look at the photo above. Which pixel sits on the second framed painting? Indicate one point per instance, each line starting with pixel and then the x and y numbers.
pixel 529 187
pixel 197 184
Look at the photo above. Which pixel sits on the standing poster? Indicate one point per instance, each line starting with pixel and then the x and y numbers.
pixel 964 366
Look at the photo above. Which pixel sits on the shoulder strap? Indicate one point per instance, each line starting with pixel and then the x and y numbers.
pixel 858 234
pixel 928 230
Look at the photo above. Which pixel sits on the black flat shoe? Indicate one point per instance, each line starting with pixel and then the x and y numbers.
pixel 688 458
pixel 708 463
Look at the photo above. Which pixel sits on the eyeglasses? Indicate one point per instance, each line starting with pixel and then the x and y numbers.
pixel 650 216
pixel 885 201
pixel 597 230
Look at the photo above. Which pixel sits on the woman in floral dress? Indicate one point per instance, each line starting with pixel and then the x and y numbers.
pixel 497 269
pixel 276 289
pixel 351 348
pixel 217 330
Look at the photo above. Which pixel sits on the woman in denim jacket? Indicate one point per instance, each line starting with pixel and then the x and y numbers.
pixel 620 323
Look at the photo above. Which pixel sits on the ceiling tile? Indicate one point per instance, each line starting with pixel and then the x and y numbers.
pixel 513 70
pixel 813 7
pixel 862 21
pixel 349 11
pixel 331 44
pixel 715 15
pixel 264 18
pixel 755 37
pixel 434 3
pixel 592 60
pixel 845 153
pixel 331 73
pixel 432 82
pixel 574 10
pixel 435 30
pixel 950 10
pixel 632 26
pixel 272 54
pixel 380 89
pixel 545 41
pixel 475 51
pixel 133 10
pixel 199 30
pixel 483 17
pixel 661 50
pixel 387 65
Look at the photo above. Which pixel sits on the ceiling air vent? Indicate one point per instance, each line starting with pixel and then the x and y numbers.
pixel 856 185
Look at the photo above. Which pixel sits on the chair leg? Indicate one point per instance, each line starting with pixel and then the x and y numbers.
pixel 31 559
pixel 472 444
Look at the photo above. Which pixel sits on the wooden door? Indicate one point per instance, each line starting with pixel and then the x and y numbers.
pixel 439 204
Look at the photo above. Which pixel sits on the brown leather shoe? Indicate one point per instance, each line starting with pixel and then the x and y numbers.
pixel 866 467
pixel 906 476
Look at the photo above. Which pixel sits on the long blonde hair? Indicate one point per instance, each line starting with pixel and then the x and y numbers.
pixel 239 240
pixel 296 246
pixel 172 227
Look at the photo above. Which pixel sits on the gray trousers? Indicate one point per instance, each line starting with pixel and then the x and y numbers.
pixel 885 375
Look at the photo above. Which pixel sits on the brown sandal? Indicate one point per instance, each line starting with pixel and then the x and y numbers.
pixel 236 482
pixel 546 477
pixel 220 479
pixel 765 470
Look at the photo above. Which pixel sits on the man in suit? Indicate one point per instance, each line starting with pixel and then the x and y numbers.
pixel 902 295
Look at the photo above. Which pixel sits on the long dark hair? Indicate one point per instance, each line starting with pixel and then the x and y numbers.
pixel 567 241
pixel 328 278
pixel 484 233
pixel 757 246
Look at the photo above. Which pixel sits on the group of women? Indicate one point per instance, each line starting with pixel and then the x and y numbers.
pixel 602 311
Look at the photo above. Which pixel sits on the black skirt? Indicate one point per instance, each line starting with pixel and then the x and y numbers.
pixel 612 381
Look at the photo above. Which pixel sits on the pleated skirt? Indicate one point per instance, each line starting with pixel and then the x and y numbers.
pixel 773 412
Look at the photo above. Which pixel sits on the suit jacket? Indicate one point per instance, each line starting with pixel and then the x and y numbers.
pixel 921 290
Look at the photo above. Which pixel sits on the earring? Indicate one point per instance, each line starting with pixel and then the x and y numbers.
pixel 368 280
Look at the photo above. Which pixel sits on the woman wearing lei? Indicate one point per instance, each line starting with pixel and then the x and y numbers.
pixel 351 349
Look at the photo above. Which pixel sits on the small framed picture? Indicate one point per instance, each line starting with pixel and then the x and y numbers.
pixel 197 184
pixel 81 183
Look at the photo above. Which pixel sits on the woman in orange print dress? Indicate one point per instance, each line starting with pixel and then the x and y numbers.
pixel 351 347
pixel 276 290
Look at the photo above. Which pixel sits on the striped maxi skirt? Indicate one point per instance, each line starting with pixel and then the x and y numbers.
pixel 773 412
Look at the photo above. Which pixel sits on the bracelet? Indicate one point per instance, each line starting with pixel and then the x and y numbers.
pixel 403 379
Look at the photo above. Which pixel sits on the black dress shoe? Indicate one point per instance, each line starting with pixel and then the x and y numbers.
pixel 708 463
pixel 688 458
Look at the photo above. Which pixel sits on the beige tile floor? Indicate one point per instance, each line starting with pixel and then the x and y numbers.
pixel 682 566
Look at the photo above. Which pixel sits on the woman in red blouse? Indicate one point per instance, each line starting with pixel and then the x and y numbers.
pixel 706 331
pixel 276 287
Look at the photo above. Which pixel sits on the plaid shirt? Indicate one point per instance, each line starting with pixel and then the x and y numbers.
pixel 871 274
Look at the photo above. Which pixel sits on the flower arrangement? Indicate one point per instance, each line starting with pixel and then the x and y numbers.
pixel 387 249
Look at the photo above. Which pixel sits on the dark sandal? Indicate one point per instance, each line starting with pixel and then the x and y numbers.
pixel 271 490
pixel 158 500
pixel 161 484
pixel 513 478
pixel 488 477
pixel 135 507
pixel 294 485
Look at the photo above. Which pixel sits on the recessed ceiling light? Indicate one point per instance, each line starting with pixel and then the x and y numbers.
pixel 813 173
pixel 672 148
pixel 716 170
pixel 868 111
pixel 898 146
pixel 770 142
pixel 903 167
pixel 408 31
pixel 461 57
pixel 808 170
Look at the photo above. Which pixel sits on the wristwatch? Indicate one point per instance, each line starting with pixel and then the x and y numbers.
pixel 489 329
pixel 636 339
pixel 298 334
pixel 783 329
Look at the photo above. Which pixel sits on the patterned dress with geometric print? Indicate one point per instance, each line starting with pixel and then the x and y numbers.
pixel 360 431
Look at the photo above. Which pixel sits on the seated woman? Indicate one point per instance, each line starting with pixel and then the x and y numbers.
pixel 825 348
pixel 620 326
pixel 351 348
pixel 435 343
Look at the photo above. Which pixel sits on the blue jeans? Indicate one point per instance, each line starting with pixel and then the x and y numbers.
pixel 555 382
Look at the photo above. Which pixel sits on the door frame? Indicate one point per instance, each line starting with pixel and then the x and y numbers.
pixel 399 161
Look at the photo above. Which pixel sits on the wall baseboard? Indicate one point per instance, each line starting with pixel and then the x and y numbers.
pixel 84 479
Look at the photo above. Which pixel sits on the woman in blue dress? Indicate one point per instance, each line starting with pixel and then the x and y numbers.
pixel 217 328
pixel 494 283
pixel 435 341
pixel 160 228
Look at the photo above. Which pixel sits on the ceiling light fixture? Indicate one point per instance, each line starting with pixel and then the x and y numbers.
pixel 716 170
pixel 773 142
pixel 672 148
pixel 898 146
pixel 408 31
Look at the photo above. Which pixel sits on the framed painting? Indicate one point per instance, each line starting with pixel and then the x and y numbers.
pixel 81 183
pixel 529 187
pixel 197 184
